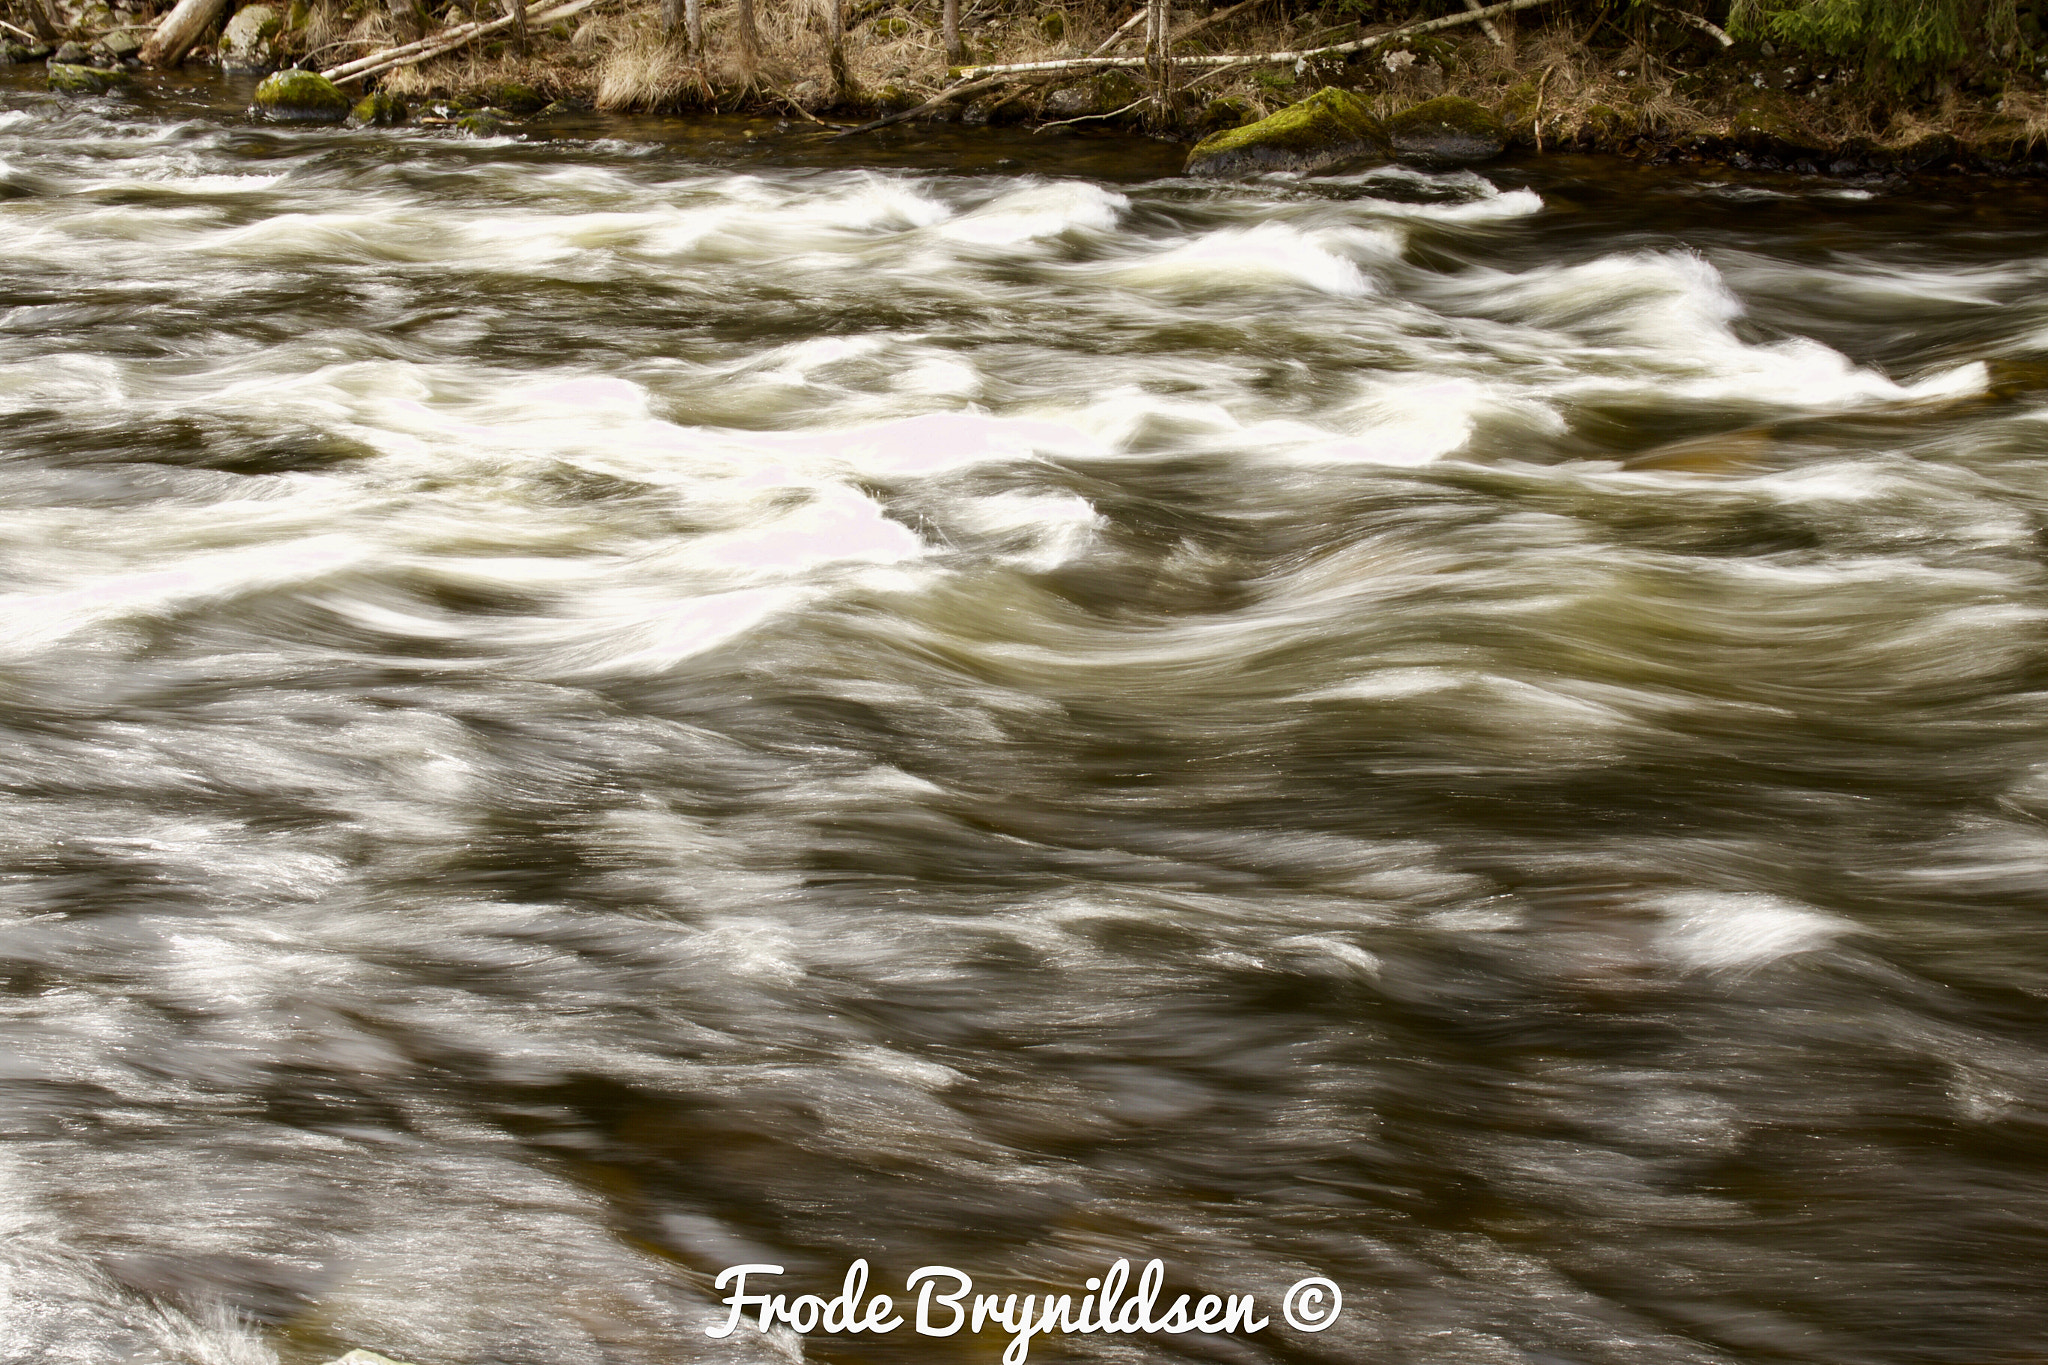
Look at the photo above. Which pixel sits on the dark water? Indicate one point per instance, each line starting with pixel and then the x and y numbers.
pixel 578 712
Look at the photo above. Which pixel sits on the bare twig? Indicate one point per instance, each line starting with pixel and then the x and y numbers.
pixel 1486 26
pixel 1221 16
pixel 377 63
pixel 1705 25
pixel 1255 58
pixel 1085 117
pixel 1122 30
pixel 944 97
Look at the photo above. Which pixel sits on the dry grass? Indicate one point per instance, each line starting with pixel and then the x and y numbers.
pixel 1547 85
pixel 644 73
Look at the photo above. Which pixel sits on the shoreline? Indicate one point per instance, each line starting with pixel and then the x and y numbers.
pixel 1694 104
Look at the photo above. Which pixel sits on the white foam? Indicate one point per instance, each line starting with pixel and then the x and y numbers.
pixel 1721 931
pixel 1232 259
pixel 1037 212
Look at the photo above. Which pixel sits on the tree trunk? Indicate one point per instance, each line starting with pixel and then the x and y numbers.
pixel 949 32
pixel 671 17
pixel 693 27
pixel 519 25
pixel 750 39
pixel 1158 56
pixel 181 28
pixel 835 52
pixel 45 21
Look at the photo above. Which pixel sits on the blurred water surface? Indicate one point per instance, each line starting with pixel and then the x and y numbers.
pixel 578 711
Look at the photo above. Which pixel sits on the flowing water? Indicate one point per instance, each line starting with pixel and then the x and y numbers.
pixel 576 712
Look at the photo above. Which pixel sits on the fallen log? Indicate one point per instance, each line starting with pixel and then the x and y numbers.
pixel 975 79
pixel 174 35
pixel 1252 58
pixel 426 49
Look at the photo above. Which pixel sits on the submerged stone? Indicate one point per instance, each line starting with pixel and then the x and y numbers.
pixel 1449 130
pixel 1330 129
pixel 379 110
pixel 302 96
pixel 86 80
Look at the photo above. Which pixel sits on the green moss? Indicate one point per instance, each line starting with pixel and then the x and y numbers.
pixel 1116 88
pixel 483 123
pixel 87 80
pixel 1053 25
pixel 891 26
pixel 1449 129
pixel 1222 115
pixel 520 99
pixel 1326 130
pixel 304 96
pixel 380 110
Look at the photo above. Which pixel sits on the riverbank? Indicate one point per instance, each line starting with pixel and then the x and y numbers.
pixel 1661 87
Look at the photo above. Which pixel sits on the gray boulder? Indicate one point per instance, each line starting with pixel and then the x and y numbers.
pixel 1449 130
pixel 248 42
pixel 1328 131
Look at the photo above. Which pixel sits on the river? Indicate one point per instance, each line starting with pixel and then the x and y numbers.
pixel 580 711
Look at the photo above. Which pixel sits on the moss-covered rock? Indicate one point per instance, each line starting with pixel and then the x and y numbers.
pixel 1449 130
pixel 87 80
pixel 1769 123
pixel 1330 129
pixel 515 96
pixel 1052 25
pixel 379 110
pixel 1222 115
pixel 483 123
pixel 301 97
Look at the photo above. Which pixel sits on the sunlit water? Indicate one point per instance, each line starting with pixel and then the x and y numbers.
pixel 579 712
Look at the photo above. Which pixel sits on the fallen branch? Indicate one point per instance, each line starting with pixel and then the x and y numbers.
pixel 976 79
pixel 1221 16
pixel 351 67
pixel 30 37
pixel 1706 25
pixel 943 98
pixel 177 31
pixel 377 63
pixel 979 73
pixel 1125 27
pixel 1486 26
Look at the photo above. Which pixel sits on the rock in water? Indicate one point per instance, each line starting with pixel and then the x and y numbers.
pixel 1330 129
pixel 301 96
pixel 120 45
pixel 380 110
pixel 86 80
pixel 245 44
pixel 361 1357
pixel 1449 130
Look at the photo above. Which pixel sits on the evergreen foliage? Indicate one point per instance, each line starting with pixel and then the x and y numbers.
pixel 1897 41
